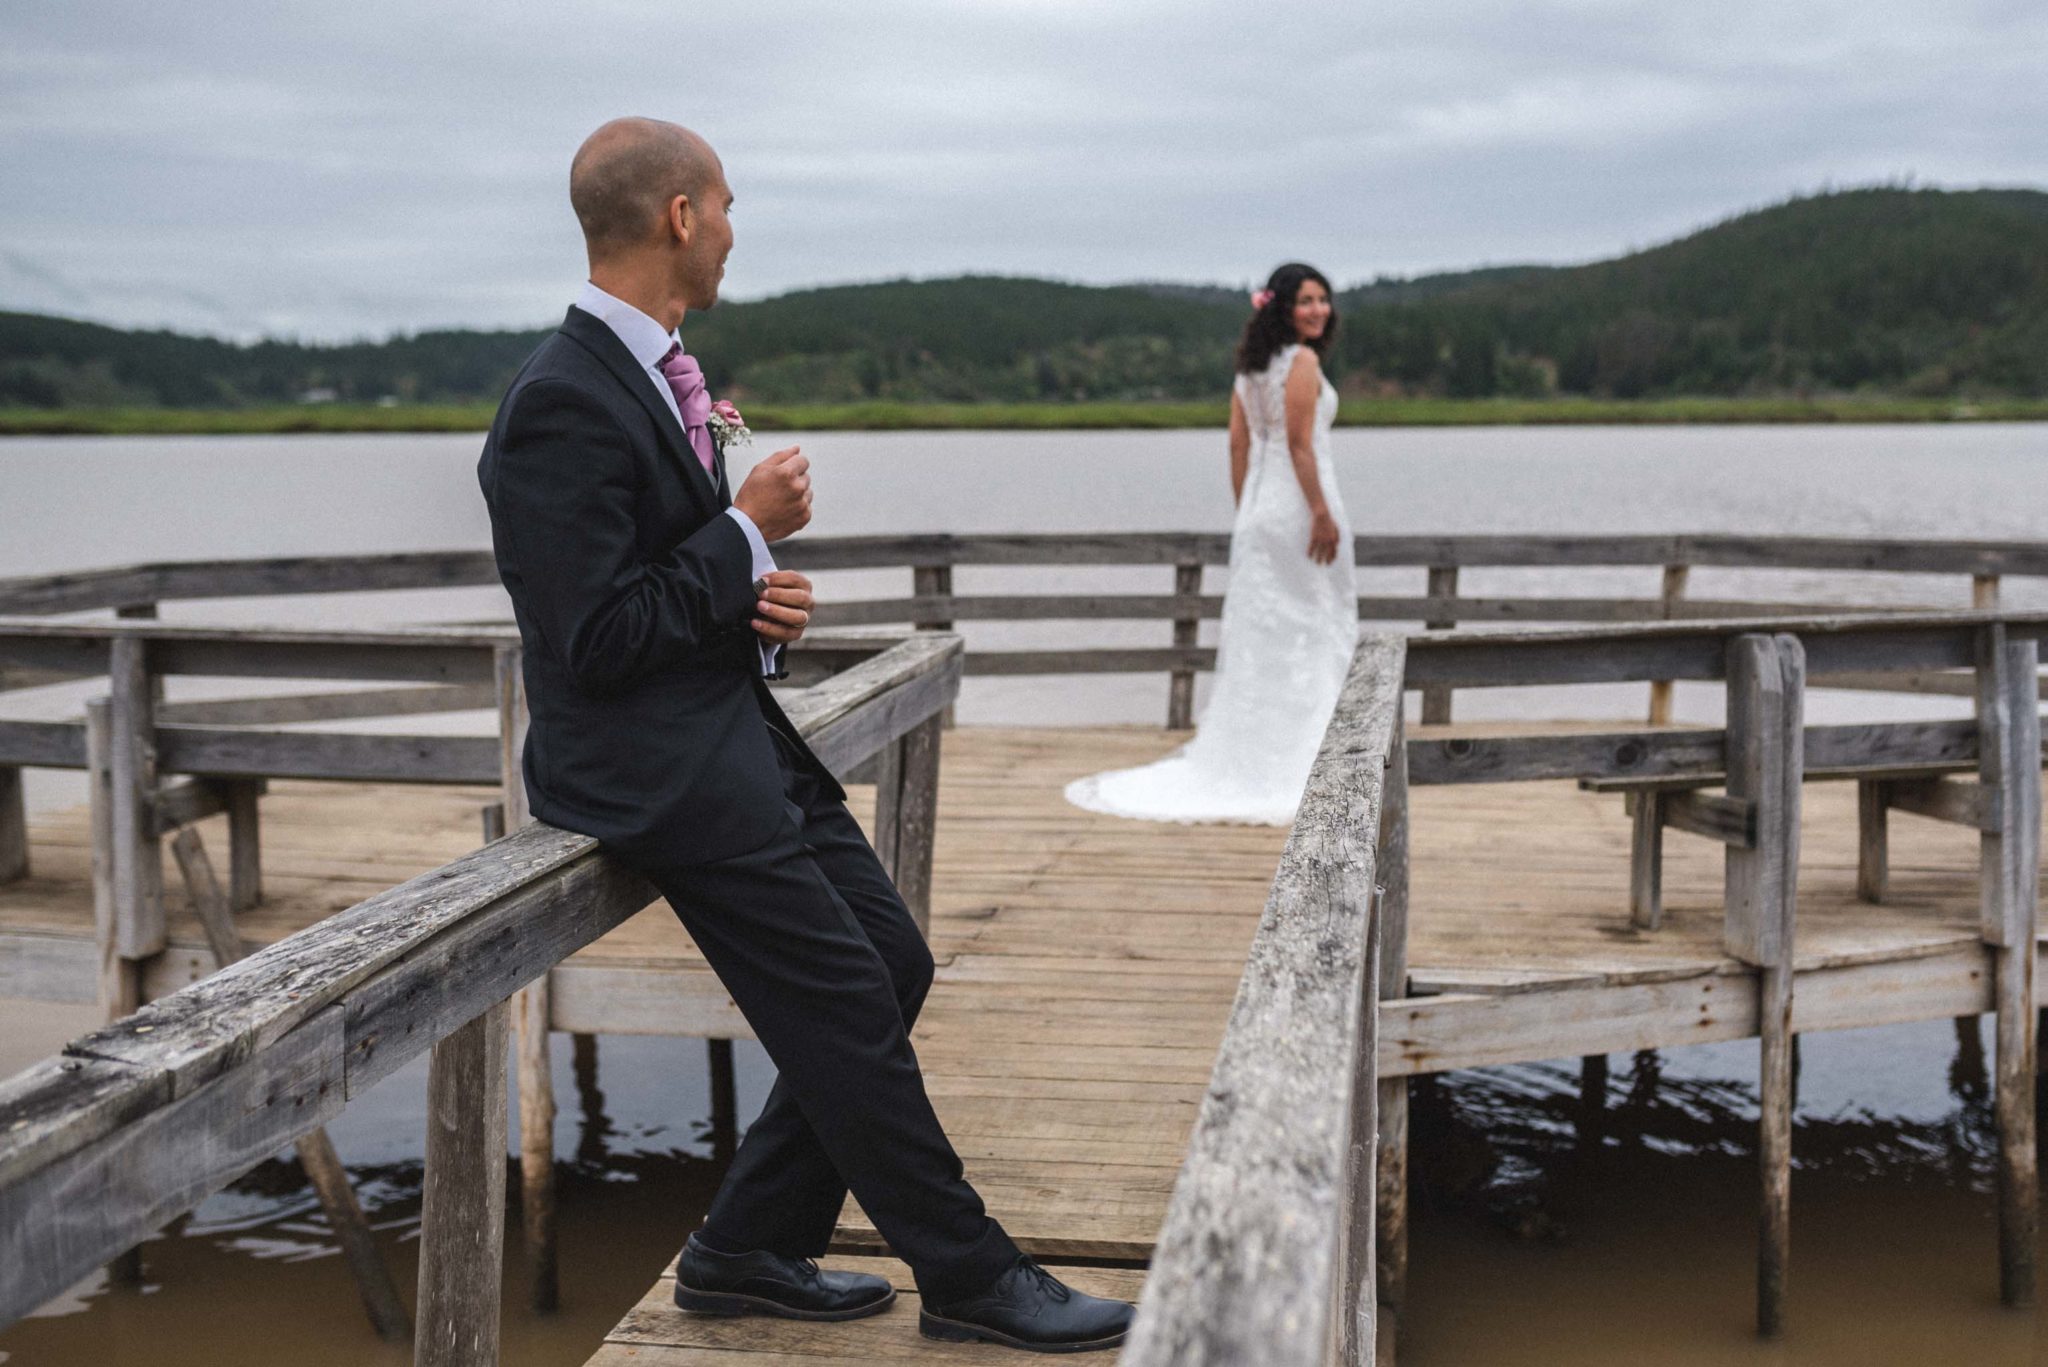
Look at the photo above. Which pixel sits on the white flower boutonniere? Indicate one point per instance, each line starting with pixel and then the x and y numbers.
pixel 727 426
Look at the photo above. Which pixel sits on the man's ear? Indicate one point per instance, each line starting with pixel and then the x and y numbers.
pixel 682 219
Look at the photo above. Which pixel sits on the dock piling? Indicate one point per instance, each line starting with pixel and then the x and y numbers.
pixel 1391 1161
pixel 462 1202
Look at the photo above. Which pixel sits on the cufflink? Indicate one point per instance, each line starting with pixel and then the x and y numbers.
pixel 760 587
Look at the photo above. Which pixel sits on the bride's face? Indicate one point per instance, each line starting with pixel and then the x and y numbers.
pixel 1311 312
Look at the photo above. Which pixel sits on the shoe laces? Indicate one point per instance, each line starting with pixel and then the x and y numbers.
pixel 1050 1284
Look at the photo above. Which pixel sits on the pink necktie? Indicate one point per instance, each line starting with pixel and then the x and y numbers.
pixel 686 382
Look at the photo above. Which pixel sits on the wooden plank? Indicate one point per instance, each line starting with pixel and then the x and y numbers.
pixel 245 843
pixel 917 813
pixel 1443 1033
pixel 1436 698
pixel 42 744
pixel 1873 840
pixel 1728 820
pixel 1137 660
pixel 92 1201
pixel 337 755
pixel 1646 859
pixel 1387 1249
pixel 13 826
pixel 306 707
pixel 137 861
pixel 1180 694
pixel 1776 824
pixel 1951 800
pixel 1246 1262
pixel 1630 755
pixel 687 1001
pixel 462 1200
pixel 1669 599
pixel 245 578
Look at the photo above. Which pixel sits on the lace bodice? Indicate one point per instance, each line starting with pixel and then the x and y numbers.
pixel 1264 396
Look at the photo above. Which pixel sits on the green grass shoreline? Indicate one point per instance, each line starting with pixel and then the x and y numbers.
pixel 887 417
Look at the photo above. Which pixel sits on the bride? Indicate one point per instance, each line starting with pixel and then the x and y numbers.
pixel 1290 611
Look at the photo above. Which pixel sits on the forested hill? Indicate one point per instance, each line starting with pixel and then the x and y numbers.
pixel 1889 290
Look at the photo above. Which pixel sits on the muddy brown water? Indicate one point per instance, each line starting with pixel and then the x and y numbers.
pixel 1543 1233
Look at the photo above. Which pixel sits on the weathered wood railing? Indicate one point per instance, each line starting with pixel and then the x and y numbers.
pixel 933 602
pixel 144 1118
pixel 1302 1137
pixel 1266 1255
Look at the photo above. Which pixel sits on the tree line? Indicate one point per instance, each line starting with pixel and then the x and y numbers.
pixel 1891 290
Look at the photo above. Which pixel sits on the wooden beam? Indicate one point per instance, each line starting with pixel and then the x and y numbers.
pixel 462 1201
pixel 1729 820
pixel 1249 1265
pixel 2009 762
pixel 1673 593
pixel 1389 1188
pixel 245 842
pixel 13 826
pixel 1180 693
pixel 916 814
pixel 1646 859
pixel 324 1169
pixel 1436 698
pixel 1957 801
pixel 138 862
pixel 1873 839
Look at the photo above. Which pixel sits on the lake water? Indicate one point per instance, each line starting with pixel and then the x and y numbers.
pixel 1526 1249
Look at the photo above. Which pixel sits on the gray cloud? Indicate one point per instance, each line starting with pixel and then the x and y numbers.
pixel 348 171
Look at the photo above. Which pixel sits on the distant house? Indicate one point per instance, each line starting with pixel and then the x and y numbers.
pixel 319 394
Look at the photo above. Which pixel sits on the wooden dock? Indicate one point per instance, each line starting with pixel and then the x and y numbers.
pixel 1087 964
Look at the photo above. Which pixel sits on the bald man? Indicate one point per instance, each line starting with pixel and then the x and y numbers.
pixel 652 613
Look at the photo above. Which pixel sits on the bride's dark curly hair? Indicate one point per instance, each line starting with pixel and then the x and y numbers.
pixel 1271 326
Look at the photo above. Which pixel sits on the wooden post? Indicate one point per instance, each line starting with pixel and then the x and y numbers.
pixel 462 1203
pixel 531 1011
pixel 120 980
pixel 1390 1176
pixel 1436 698
pixel 917 820
pixel 245 852
pixel 13 826
pixel 2009 763
pixel 1673 594
pixel 1357 1321
pixel 1646 860
pixel 1873 839
pixel 1766 687
pixel 1984 592
pixel 138 861
pixel 934 581
pixel 888 805
pixel 725 1110
pixel 316 1151
pixel 1180 692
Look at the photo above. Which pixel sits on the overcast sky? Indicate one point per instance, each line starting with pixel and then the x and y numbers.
pixel 354 169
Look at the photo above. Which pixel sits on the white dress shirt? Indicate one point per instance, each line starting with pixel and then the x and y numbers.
pixel 649 342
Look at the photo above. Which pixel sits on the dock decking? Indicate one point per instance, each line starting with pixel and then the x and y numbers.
pixel 1087 964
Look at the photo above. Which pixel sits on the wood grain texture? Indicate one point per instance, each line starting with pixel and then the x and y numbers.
pixel 1248 1258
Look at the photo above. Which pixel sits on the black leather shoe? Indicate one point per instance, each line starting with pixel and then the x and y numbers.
pixel 1027 1307
pixel 763 1283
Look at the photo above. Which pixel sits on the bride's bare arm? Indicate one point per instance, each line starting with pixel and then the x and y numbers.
pixel 1304 387
pixel 1240 447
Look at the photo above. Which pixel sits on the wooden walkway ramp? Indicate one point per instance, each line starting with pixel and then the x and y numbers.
pixel 1087 967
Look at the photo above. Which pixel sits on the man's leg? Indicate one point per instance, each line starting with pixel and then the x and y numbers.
pixel 782 1191
pixel 820 997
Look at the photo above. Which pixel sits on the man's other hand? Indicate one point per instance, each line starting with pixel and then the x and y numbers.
pixel 777 494
pixel 784 609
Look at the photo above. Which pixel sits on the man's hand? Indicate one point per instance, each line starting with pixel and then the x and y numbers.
pixel 777 495
pixel 784 609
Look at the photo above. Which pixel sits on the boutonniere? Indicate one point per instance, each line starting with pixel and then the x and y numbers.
pixel 727 426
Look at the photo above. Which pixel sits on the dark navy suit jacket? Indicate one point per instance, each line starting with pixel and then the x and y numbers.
pixel 633 593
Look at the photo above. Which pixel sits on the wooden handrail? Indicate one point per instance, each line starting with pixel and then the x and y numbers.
pixel 157 1110
pixel 1266 1253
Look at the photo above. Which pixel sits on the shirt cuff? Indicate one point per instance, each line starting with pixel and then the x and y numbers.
pixel 764 563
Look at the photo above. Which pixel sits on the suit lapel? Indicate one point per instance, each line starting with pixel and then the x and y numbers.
pixel 591 333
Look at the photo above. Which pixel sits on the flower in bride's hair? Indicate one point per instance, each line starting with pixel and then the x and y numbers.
pixel 726 424
pixel 1261 298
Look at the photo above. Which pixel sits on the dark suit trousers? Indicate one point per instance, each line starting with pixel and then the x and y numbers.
pixel 823 959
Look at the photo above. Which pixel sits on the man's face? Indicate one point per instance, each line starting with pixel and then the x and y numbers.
pixel 703 260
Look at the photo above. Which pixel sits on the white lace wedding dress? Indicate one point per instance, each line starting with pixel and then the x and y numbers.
pixel 1289 627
